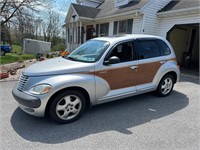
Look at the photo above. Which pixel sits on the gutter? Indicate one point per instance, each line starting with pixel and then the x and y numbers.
pixel 179 11
pixel 86 18
pixel 136 12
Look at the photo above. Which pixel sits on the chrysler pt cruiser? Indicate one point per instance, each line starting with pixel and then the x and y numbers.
pixel 101 70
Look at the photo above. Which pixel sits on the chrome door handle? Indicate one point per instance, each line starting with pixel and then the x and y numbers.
pixel 162 62
pixel 134 67
pixel 102 72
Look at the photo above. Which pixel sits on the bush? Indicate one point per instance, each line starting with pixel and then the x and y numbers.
pixel 60 47
pixel 16 48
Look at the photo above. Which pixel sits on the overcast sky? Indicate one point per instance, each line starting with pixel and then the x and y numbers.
pixel 63 5
pixel 59 6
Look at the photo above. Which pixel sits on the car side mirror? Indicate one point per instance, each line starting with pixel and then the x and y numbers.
pixel 112 60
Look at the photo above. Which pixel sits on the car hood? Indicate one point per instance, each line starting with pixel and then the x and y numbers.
pixel 57 66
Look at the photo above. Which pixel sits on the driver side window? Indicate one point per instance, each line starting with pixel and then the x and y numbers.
pixel 123 51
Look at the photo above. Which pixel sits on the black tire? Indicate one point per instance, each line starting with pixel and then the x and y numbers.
pixel 2 53
pixel 63 108
pixel 165 86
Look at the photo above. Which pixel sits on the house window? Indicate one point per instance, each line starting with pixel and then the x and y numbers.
pixel 97 30
pixel 78 36
pixel 104 29
pixel 69 36
pixel 115 28
pixel 123 26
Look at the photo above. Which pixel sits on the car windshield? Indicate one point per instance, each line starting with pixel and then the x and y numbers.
pixel 90 51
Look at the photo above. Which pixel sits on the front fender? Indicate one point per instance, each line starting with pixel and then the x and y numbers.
pixel 102 87
pixel 59 82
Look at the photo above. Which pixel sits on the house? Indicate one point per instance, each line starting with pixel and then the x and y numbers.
pixel 176 20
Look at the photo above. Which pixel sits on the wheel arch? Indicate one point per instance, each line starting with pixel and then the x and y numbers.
pixel 173 73
pixel 75 88
pixel 159 77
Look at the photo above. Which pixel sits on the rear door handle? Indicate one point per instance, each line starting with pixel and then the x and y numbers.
pixel 162 62
pixel 134 67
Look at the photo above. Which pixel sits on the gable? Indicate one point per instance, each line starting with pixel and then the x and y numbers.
pixel 86 11
pixel 180 4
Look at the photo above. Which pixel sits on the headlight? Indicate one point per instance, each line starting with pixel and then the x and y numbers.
pixel 40 89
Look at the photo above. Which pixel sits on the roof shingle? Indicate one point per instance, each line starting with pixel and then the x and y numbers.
pixel 108 8
pixel 85 11
pixel 180 4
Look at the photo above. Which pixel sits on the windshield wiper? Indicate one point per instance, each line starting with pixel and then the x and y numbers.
pixel 71 58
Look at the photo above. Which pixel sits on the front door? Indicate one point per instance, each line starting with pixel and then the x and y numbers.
pixel 121 77
pixel 89 32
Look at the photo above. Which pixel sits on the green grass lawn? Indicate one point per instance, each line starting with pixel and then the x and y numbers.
pixel 14 57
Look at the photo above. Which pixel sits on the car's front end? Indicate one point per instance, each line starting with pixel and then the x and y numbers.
pixel 32 97
pixel 39 82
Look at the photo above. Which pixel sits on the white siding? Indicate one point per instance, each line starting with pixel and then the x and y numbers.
pixel 90 3
pixel 137 23
pixel 150 16
pixel 167 23
pixel 111 26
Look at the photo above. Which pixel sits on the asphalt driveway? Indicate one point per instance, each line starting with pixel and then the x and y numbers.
pixel 144 122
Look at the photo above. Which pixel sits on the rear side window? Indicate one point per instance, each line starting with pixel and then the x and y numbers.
pixel 164 48
pixel 148 49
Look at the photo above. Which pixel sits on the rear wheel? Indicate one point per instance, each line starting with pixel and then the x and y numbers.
pixel 165 86
pixel 67 106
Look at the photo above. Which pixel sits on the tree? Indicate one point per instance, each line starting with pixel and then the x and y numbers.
pixel 20 14
pixel 18 8
pixel 52 27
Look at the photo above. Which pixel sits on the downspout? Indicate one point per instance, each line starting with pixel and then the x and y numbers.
pixel 142 23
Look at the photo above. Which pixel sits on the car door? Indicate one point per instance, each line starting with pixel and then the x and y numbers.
pixel 149 61
pixel 121 76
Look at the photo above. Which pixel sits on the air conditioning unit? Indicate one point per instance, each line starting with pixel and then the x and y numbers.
pixel 119 3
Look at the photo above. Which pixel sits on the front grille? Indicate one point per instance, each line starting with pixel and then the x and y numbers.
pixel 22 82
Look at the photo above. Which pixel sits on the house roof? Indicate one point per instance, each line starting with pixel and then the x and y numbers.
pixel 85 11
pixel 108 8
pixel 180 4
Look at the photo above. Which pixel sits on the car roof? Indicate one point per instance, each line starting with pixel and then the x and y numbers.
pixel 118 38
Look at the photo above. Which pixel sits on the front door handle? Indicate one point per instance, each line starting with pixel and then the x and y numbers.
pixel 103 72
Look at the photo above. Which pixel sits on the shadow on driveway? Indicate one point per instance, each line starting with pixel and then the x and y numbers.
pixel 118 116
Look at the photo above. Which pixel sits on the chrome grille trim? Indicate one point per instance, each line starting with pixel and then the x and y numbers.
pixel 22 81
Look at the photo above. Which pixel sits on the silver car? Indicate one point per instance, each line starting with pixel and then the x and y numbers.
pixel 100 70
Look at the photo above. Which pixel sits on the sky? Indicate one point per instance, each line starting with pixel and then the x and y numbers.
pixel 62 6
pixel 59 6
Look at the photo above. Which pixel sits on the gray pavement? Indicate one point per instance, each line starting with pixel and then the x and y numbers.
pixel 144 122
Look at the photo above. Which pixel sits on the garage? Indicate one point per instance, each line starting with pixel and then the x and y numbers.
pixel 185 41
pixel 179 23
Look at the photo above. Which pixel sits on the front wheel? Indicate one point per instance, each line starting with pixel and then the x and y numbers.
pixel 67 106
pixel 2 53
pixel 165 86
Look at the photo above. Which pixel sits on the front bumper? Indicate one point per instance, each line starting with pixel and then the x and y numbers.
pixel 32 105
pixel 25 99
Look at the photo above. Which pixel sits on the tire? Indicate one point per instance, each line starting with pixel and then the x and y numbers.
pixel 2 53
pixel 165 86
pixel 67 107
